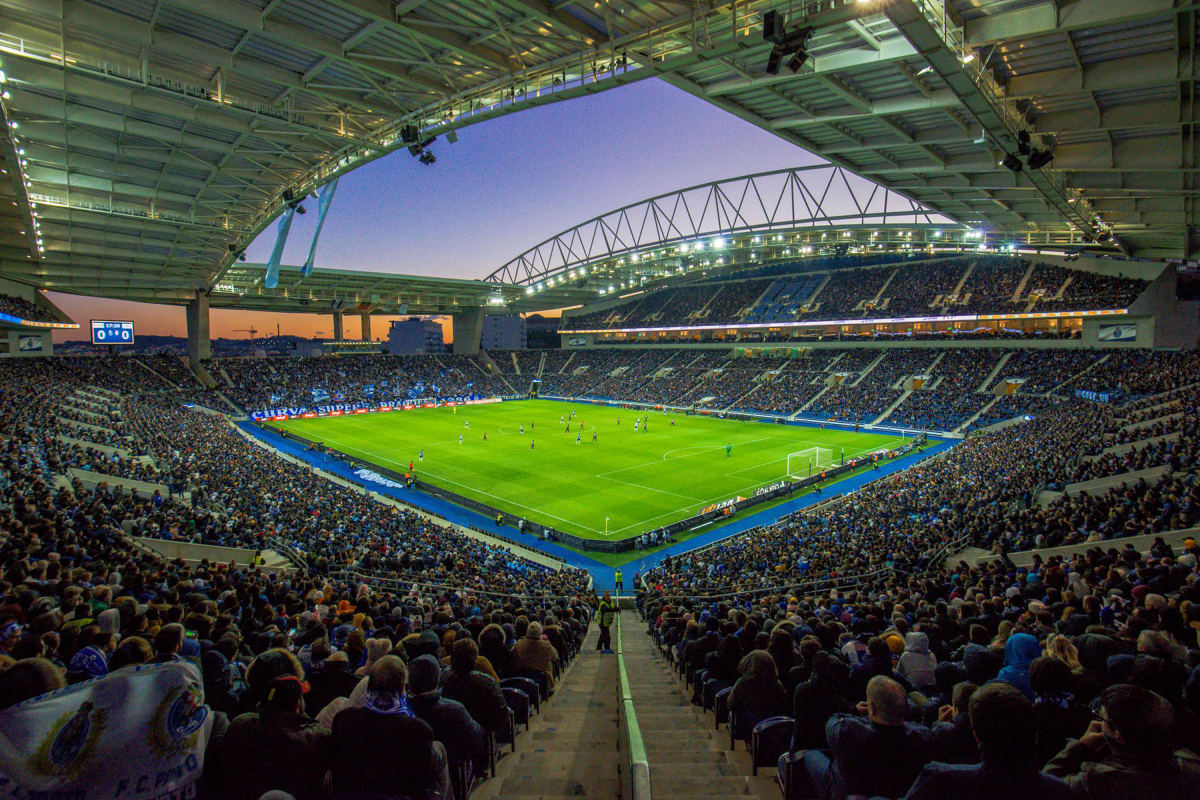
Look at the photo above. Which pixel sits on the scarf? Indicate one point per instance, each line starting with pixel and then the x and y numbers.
pixel 382 702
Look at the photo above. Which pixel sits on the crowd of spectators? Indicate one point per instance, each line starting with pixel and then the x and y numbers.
pixel 261 383
pixel 950 398
pixel 21 308
pixel 1076 677
pixel 1087 290
pixel 910 290
pixel 913 291
pixel 866 397
pixel 1134 372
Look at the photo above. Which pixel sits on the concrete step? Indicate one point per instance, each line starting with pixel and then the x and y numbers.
pixel 538 786
pixel 699 786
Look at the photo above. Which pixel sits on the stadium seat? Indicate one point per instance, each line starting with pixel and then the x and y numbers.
pixel 518 703
pixel 529 686
pixel 769 740
pixel 721 710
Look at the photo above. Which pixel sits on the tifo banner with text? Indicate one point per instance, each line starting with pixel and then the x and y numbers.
pixel 134 734
pixel 341 409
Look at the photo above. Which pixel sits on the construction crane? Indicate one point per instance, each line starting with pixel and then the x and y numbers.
pixel 251 330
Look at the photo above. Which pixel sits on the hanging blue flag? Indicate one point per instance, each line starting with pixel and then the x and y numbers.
pixel 324 200
pixel 281 234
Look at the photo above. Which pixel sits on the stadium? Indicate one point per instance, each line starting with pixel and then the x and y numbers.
pixel 829 432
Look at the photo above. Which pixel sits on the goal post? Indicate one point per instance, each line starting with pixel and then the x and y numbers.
pixel 804 463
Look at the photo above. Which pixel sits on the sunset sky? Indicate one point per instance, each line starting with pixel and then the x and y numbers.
pixel 506 185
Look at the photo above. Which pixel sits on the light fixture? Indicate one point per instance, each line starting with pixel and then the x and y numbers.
pixel 925 70
pixel 1011 162
pixel 967 58
pixel 786 43
pixel 1040 158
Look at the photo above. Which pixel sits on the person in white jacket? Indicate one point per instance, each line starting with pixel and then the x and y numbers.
pixel 917 664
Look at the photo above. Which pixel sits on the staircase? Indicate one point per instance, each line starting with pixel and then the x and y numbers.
pixel 883 288
pixel 1068 379
pixel 808 405
pixel 1016 295
pixel 888 411
pixel 995 371
pixel 155 373
pixel 541 366
pixel 963 280
pixel 977 414
pixel 570 750
pixel 516 367
pixel 225 377
pixel 870 367
pixel 812 298
pixel 688 756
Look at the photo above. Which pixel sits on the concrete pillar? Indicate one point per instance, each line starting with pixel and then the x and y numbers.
pixel 468 328
pixel 337 326
pixel 199 346
pixel 366 325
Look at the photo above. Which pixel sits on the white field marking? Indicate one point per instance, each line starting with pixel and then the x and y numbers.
pixel 699 447
pixel 536 511
pixel 731 493
pixel 648 488
pixel 640 523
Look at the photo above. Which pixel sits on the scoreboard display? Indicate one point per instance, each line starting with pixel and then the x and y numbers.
pixel 108 331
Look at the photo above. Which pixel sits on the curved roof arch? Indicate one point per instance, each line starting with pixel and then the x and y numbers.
pixel 821 195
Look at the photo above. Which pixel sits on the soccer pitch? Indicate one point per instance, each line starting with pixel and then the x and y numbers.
pixel 619 484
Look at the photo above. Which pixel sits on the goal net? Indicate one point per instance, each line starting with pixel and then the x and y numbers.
pixel 809 461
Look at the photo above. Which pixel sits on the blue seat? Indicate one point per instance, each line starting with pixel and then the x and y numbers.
pixel 529 687
pixel 768 740
pixel 721 710
pixel 518 703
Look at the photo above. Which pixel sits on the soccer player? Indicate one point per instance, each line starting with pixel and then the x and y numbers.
pixel 593 436
pixel 562 420
pixel 522 428
pixel 532 425
pixel 618 422
pixel 420 455
pixel 672 422
pixel 410 465
pixel 485 436
pixel 531 444
pixel 567 428
pixel 466 423
pixel 635 426
pixel 578 438
pixel 728 450
pixel 580 424
pixel 460 438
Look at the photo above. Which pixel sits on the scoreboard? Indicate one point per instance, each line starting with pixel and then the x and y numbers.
pixel 107 331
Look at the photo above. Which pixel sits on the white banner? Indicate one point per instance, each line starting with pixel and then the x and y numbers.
pixel 135 734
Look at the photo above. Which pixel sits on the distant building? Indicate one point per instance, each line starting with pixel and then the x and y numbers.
pixel 503 332
pixel 415 336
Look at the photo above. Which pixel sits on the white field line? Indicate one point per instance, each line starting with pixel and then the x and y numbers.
pixel 608 475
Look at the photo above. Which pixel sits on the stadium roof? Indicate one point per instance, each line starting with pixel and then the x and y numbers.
pixel 353 291
pixel 160 135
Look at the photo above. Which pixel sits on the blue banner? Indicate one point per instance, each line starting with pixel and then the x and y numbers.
pixel 281 235
pixel 324 200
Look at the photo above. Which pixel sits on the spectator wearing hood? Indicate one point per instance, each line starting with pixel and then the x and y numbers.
pixel 532 652
pixel 817 699
pixel 917 664
pixel 1002 722
pixel 479 692
pixel 757 694
pixel 1019 652
pixel 463 737
pixel 334 679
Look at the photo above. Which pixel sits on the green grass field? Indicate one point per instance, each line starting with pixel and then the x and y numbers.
pixel 638 481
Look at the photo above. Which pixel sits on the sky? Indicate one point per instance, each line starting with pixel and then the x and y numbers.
pixel 506 185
